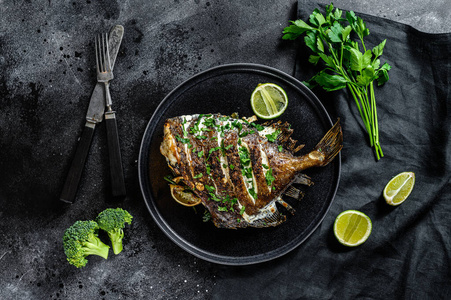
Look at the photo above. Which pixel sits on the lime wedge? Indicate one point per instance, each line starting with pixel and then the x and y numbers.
pixel 352 228
pixel 399 188
pixel 268 101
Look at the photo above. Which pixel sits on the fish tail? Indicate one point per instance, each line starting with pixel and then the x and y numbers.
pixel 330 145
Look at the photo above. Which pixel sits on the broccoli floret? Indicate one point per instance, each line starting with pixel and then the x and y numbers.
pixel 80 240
pixel 113 221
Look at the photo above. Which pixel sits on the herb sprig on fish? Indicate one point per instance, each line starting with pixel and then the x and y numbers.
pixel 346 66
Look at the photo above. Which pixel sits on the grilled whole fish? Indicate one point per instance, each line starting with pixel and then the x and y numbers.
pixel 240 169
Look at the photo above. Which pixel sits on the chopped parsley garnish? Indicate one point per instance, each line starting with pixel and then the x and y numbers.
pixel 253 193
pixel 222 208
pixel 168 178
pixel 265 166
pixel 243 208
pixel 280 148
pixel 206 217
pixel 214 149
pixel 198 176
pixel 247 133
pixel 210 122
pixel 210 188
pixel 244 156
pixel 185 133
pixel 269 177
pixel 182 140
pixel 200 153
pixel 257 126
pixel 273 136
pixel 214 197
pixel 232 167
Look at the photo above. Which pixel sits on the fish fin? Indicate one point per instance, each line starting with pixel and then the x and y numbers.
pixel 270 218
pixel 330 145
pixel 286 205
pixel 294 193
pixel 303 179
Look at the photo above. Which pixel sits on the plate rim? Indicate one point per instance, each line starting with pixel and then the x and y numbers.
pixel 189 247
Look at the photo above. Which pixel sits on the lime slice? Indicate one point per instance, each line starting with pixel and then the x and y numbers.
pixel 398 188
pixel 268 101
pixel 184 196
pixel 352 228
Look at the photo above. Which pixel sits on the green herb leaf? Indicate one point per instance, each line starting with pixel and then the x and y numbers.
pixel 198 176
pixel 379 49
pixel 257 126
pixel 336 33
pixel 293 31
pixel 210 188
pixel 313 59
pixel 273 136
pixel 242 210
pixel 222 208
pixel 252 193
pixel 330 82
pixel 169 178
pixel 269 177
pixel 310 41
pixel 206 217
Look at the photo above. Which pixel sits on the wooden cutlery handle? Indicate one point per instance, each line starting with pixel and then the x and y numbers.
pixel 78 163
pixel 114 149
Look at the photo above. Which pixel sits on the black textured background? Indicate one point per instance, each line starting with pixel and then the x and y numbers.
pixel 47 74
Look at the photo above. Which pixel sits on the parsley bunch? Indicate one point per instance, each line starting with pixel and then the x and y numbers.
pixel 348 63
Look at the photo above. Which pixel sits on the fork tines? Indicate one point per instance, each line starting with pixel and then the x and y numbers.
pixel 102 53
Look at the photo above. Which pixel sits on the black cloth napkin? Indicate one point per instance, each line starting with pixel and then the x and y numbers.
pixel 408 255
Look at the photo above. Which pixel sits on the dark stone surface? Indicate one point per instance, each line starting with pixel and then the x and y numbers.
pixel 47 73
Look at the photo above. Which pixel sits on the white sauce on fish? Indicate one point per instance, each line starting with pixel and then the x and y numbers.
pixel 265 162
pixel 267 130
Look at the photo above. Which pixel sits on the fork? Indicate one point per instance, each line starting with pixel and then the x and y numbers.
pixel 104 75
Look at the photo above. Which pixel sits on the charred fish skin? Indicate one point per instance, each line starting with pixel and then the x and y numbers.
pixel 239 169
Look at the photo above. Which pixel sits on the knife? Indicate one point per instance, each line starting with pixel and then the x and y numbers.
pixel 94 115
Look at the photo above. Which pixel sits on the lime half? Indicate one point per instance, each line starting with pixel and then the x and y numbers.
pixel 399 188
pixel 269 101
pixel 352 228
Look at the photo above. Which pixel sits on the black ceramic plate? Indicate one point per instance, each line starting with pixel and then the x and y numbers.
pixel 227 89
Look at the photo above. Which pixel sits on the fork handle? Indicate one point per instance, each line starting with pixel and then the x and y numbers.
pixel 73 177
pixel 114 150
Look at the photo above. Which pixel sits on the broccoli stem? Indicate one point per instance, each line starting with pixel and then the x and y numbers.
pixel 116 237
pixel 96 247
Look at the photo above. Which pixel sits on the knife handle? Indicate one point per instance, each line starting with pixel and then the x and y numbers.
pixel 114 150
pixel 76 168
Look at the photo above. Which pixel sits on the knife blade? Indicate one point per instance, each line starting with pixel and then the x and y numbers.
pixel 94 115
